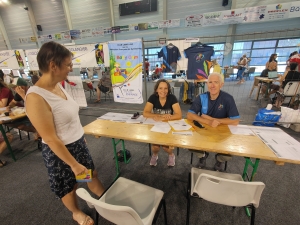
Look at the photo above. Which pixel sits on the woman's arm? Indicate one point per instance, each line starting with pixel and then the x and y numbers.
pixel 177 115
pixel 41 118
pixel 3 102
pixel 147 113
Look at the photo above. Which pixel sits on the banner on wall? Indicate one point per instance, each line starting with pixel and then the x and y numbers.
pixel 278 11
pixel 83 55
pixel 31 58
pixel 75 34
pixel 12 59
pixel 212 19
pixel 233 16
pixel 193 20
pixel 294 9
pixel 126 64
pixel 169 23
pixel 97 32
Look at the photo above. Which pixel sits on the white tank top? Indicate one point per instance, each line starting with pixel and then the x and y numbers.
pixel 65 114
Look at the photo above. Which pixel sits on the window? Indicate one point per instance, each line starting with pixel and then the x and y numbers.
pixel 288 42
pixel 264 44
pixel 242 45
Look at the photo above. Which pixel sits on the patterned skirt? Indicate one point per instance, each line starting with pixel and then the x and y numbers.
pixel 61 177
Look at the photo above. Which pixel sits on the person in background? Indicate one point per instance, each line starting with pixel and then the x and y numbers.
pixel 21 90
pixel 292 54
pixel 6 95
pixel 271 65
pixel 104 84
pixel 241 68
pixel 147 65
pixel 213 108
pixel 3 146
pixel 162 105
pixel 54 114
pixel 157 72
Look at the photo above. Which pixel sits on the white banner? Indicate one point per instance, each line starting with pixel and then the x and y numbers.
pixel 169 23
pixel 126 70
pixel 294 9
pixel 232 16
pixel 31 58
pixel 193 20
pixel 278 11
pixel 212 19
pixel 83 55
pixel 12 59
pixel 255 14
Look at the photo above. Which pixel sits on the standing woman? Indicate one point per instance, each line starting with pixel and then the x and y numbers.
pixel 6 95
pixel 54 114
pixel 162 105
pixel 241 68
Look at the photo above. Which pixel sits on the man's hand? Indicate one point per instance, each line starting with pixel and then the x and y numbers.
pixel 214 123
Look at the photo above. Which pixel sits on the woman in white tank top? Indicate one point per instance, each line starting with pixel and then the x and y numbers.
pixel 54 114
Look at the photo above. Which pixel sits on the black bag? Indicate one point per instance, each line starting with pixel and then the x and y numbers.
pixel 120 155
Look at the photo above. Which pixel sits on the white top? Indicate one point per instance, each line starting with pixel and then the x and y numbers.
pixel 65 114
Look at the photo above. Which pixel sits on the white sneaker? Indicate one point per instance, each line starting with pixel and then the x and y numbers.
pixel 153 161
pixel 171 161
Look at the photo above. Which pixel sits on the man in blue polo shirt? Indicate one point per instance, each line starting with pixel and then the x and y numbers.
pixel 213 108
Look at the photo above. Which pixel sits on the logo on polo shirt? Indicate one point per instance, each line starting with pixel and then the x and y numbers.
pixel 220 107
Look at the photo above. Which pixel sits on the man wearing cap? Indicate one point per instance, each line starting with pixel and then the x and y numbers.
pixel 21 89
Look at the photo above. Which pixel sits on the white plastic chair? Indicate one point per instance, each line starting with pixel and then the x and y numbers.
pixel 86 88
pixel 224 188
pixel 290 91
pixel 127 202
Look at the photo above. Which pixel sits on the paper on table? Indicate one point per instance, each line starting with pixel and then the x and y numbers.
pixel 3 109
pixel 185 133
pixel 179 125
pixel 5 118
pixel 150 121
pixel 121 117
pixel 240 129
pixel 161 127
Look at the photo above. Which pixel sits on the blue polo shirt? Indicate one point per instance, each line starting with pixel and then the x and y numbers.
pixel 222 107
pixel 170 56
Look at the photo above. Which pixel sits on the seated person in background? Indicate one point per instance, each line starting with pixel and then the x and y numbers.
pixel 18 100
pixel 1 75
pixel 213 108
pixel 3 146
pixel 162 105
pixel 104 84
pixel 157 72
pixel 271 65
pixel 6 95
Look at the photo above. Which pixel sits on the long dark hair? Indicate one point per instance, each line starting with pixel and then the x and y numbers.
pixel 272 58
pixel 1 75
pixel 293 65
pixel 157 84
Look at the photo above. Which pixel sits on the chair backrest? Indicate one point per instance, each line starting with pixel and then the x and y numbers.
pixel 229 71
pixel 228 192
pixel 116 214
pixel 85 86
pixel 251 70
pixel 291 88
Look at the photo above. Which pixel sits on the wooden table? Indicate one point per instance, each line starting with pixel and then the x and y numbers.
pixel 265 80
pixel 219 140
pixel 13 118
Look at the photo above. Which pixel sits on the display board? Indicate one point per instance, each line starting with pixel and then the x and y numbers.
pixel 77 91
pixel 12 59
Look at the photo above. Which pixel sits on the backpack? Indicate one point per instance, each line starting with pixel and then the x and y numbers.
pixel 120 155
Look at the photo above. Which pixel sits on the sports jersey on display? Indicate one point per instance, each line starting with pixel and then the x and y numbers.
pixel 171 55
pixel 199 61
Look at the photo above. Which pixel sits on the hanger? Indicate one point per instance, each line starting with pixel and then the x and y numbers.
pixel 170 44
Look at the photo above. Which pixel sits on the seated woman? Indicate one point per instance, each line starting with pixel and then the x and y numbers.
pixel 104 84
pixel 162 105
pixel 6 95
pixel 271 65
pixel 3 146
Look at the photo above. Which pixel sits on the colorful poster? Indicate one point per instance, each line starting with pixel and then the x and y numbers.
pixel 133 27
pixel 65 35
pixel 254 14
pixel 169 23
pixel 86 33
pixel 278 11
pixel 99 54
pixel 232 16
pixel 31 58
pixel 12 59
pixel 115 30
pixel 126 70
pixel 143 26
pixel 57 36
pixel 294 9
pixel 97 32
pixel 83 55
pixel 153 25
pixel 124 28
pixel 212 19
pixel 193 20
pixel 107 30
pixel 75 34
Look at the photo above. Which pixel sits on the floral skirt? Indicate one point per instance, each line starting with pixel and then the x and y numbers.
pixel 61 177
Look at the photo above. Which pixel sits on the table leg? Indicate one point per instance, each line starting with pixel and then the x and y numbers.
pixel 7 143
pixel 115 143
pixel 245 174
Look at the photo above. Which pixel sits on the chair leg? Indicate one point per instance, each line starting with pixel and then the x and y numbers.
pixel 161 204
pixel 165 211
pixel 28 136
pixel 149 149
pixel 252 215
pixel 177 151
pixel 188 197
pixel 225 167
pixel 20 135
pixel 192 158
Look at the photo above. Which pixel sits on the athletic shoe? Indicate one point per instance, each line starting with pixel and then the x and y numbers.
pixel 171 161
pixel 202 161
pixel 153 161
